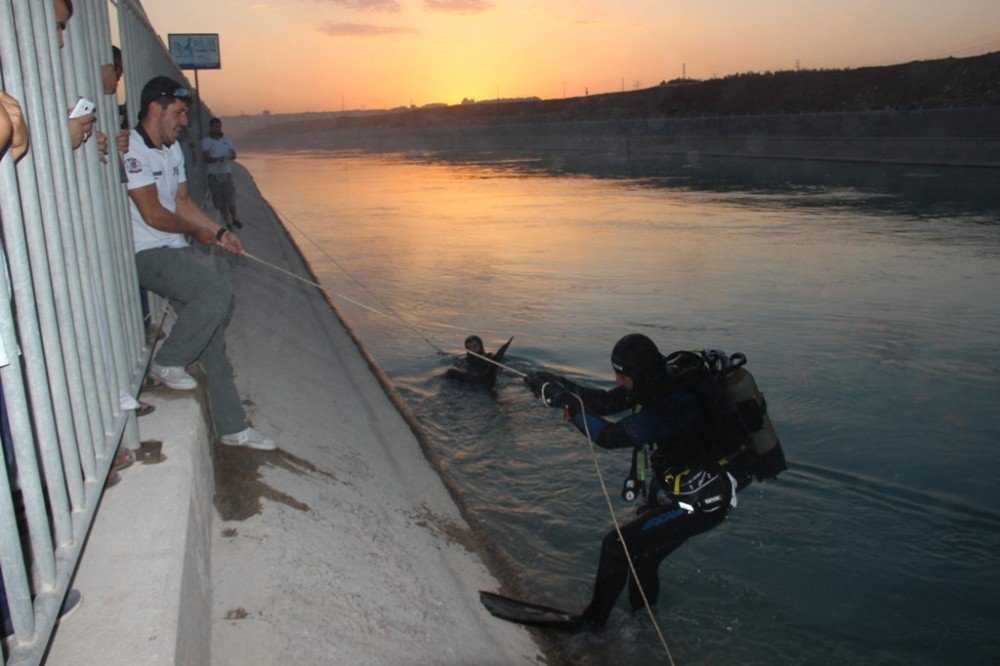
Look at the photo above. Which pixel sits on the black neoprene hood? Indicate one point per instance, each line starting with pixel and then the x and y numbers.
pixel 637 357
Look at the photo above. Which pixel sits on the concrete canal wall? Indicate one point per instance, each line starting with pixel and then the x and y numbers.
pixel 952 137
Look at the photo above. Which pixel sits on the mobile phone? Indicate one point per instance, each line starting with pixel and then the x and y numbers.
pixel 83 107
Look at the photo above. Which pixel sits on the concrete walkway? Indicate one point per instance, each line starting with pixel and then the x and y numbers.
pixel 342 547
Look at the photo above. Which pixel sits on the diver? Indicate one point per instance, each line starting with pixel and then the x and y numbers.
pixel 477 369
pixel 702 455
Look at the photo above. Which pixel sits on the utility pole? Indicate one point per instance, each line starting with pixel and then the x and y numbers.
pixel 684 70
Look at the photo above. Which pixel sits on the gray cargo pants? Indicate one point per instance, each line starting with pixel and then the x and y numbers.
pixel 201 298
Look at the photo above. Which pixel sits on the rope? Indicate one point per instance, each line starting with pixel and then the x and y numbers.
pixel 583 411
pixel 497 363
pixel 618 531
pixel 341 296
pixel 611 508
pixel 357 281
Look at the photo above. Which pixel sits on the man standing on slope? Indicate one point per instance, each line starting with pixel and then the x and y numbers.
pixel 218 153
pixel 162 213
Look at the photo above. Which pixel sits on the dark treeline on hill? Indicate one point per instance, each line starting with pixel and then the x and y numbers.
pixel 949 82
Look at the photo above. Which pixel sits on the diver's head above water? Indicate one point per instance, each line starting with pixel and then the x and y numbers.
pixel 474 344
pixel 637 363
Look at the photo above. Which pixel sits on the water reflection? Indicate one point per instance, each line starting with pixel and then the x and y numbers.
pixel 919 191
pixel 864 296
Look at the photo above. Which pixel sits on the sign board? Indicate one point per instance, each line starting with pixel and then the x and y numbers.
pixel 195 51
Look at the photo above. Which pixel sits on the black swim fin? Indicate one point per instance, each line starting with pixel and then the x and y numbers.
pixel 523 612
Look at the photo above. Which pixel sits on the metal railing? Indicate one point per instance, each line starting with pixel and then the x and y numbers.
pixel 72 333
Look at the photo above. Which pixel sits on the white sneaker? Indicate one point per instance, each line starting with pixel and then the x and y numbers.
pixel 250 438
pixel 173 376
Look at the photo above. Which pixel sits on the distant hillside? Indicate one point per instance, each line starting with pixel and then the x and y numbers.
pixel 950 82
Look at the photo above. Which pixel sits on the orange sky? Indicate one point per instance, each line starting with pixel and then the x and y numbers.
pixel 315 55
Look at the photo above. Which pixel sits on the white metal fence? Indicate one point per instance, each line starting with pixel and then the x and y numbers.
pixel 73 337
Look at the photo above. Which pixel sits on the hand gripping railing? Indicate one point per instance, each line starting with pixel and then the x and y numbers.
pixel 72 334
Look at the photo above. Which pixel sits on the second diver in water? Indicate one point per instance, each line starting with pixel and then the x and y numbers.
pixel 707 443
pixel 477 369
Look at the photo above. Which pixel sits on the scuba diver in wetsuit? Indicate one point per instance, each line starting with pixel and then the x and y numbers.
pixel 701 457
pixel 477 370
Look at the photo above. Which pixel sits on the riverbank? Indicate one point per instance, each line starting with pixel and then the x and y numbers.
pixel 929 137
pixel 344 546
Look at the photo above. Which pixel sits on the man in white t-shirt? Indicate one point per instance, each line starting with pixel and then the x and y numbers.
pixel 162 214
pixel 218 153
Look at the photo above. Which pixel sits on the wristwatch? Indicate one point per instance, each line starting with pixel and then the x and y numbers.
pixel 220 233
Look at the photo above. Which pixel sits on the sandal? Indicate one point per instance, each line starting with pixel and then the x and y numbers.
pixel 123 458
pixel 144 408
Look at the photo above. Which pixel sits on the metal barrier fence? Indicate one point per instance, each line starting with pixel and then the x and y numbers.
pixel 73 338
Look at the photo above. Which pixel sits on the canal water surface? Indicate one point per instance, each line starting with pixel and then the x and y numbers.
pixel 864 297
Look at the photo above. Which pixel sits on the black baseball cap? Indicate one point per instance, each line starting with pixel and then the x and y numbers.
pixel 162 87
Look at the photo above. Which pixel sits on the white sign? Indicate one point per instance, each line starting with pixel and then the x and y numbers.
pixel 195 51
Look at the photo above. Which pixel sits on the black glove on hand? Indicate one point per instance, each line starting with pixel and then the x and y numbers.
pixel 555 391
pixel 537 380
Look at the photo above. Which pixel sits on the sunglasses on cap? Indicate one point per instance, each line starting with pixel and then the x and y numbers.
pixel 178 93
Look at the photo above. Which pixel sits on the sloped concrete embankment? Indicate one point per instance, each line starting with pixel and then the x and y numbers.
pixel 344 546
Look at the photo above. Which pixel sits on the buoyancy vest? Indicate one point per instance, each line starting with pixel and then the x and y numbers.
pixel 733 437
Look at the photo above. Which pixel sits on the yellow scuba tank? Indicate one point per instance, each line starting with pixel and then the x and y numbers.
pixel 742 388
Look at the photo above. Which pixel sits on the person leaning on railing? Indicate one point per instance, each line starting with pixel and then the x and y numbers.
pixel 15 140
pixel 162 214
pixel 80 129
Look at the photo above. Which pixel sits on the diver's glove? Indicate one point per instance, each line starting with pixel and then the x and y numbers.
pixel 554 391
pixel 536 380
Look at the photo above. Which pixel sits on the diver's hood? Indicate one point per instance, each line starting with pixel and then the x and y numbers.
pixel 637 357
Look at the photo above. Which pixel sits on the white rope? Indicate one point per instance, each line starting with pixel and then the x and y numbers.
pixel 340 296
pixel 357 281
pixel 611 508
pixel 618 530
pixel 497 363
pixel 583 412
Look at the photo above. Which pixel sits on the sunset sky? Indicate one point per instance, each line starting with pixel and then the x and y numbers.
pixel 315 55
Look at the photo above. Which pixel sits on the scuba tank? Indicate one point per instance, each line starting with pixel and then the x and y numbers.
pixel 749 402
pixel 735 433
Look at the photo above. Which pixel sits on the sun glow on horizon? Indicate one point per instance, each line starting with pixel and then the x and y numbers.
pixel 324 55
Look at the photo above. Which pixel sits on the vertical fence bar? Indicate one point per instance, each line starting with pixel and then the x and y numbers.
pixel 82 67
pixel 55 429
pixel 43 229
pixel 75 338
pixel 124 308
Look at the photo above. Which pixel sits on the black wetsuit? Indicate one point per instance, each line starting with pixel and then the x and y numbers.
pixel 675 423
pixel 478 371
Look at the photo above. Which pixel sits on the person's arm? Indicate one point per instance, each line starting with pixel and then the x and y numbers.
pixel 102 146
pixel 636 429
pixel 14 129
pixel 557 391
pixel 80 129
pixel 204 230
pixel 185 220
pixel 122 141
